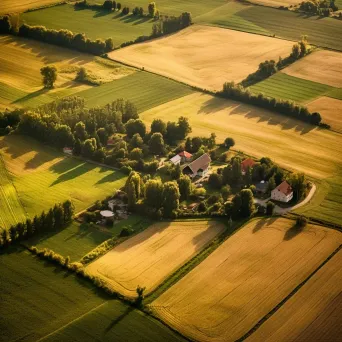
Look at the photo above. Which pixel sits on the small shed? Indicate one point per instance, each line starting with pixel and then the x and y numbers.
pixel 176 159
pixel 67 150
pixel 261 187
pixel 107 214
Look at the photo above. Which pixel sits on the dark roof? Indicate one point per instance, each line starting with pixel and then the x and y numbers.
pixel 200 163
pixel 285 188
pixel 261 186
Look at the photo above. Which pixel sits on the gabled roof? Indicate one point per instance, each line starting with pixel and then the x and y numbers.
pixel 185 154
pixel 249 162
pixel 285 188
pixel 175 159
pixel 201 163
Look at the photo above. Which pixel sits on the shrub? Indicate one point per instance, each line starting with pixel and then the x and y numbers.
pixel 126 231
pixel 270 208
pixel 301 221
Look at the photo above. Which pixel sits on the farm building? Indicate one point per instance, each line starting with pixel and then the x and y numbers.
pixel 185 156
pixel 282 193
pixel 261 187
pixel 246 164
pixel 67 150
pixel 176 159
pixel 198 167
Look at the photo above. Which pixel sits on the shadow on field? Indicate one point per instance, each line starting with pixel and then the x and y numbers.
pixel 117 320
pixel 292 232
pixel 32 95
pixel 250 112
pixel 112 177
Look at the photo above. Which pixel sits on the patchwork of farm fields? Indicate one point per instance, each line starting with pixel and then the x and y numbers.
pixel 246 277
pixel 95 24
pixel 41 300
pixel 312 314
pixel 43 177
pixel 262 133
pixel 144 89
pixel 204 56
pixel 149 257
pixel 10 6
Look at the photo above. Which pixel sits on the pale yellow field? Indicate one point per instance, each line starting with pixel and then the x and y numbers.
pixel 275 3
pixel 247 276
pixel 204 56
pixel 321 66
pixel 291 143
pixel 330 109
pixel 149 257
pixel 312 314
pixel 11 6
pixel 22 60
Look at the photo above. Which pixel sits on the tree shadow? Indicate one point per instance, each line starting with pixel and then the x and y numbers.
pixel 38 160
pixel 293 232
pixel 117 320
pixel 64 165
pixel 101 13
pixel 31 96
pixel 142 20
pixel 262 223
pixel 112 177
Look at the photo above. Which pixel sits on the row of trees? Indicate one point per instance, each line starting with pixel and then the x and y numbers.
pixel 171 24
pixel 55 219
pixel 319 7
pixel 285 107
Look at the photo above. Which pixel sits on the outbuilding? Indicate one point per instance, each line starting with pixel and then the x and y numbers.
pixel 199 167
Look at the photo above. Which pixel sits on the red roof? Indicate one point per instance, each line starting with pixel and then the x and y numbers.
pixel 249 162
pixel 110 142
pixel 285 188
pixel 185 154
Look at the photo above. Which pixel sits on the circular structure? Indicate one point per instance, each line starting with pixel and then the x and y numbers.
pixel 106 213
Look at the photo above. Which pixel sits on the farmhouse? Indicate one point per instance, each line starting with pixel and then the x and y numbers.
pixel 186 156
pixel 176 159
pixel 282 193
pixel 198 167
pixel 246 164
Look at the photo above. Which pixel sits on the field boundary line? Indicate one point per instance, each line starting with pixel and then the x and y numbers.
pixel 74 320
pixel 289 296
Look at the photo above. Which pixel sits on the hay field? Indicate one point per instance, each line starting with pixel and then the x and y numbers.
pixel 330 109
pixel 95 24
pixel 42 176
pixel 312 314
pixel 204 56
pixel 246 277
pixel 10 6
pixel 148 258
pixel 321 66
pixel 20 79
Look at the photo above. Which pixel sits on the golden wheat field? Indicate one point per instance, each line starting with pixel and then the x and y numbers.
pixel 275 3
pixel 312 314
pixel 248 275
pixel 149 257
pixel 322 66
pixel 11 6
pixel 204 56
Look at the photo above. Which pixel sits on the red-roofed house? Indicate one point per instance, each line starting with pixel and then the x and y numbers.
pixel 110 142
pixel 186 156
pixel 282 193
pixel 246 164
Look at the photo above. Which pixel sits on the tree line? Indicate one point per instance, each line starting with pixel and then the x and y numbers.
pixel 320 7
pixel 55 219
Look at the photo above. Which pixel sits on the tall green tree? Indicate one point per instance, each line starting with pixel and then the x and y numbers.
pixel 154 193
pixel 171 197
pixel 156 143
pixel 247 203
pixel 158 126
pixel 152 9
pixel 49 74
pixel 185 187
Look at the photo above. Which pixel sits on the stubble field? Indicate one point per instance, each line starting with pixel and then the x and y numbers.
pixel 10 6
pixel 204 56
pixel 312 314
pixel 245 278
pixel 149 257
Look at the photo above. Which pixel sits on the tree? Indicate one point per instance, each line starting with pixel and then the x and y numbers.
pixel 152 9
pixel 185 187
pixel 103 136
pixel 270 208
pixel 134 126
pixel 89 147
pixel 63 136
pixel 81 75
pixel 49 74
pixel 136 154
pixel 109 44
pixel 158 126
pixel 5 24
pixel 68 210
pixel 236 170
pixel 229 142
pixel 215 180
pixel 227 174
pixel 108 5
pixel 301 221
pixel 298 184
pixel 118 6
pixel 136 141
pixel 315 118
pixel 212 140
pixel 196 143
pixel 176 172
pixel 183 128
pixel 80 131
pixel 236 206
pixel 77 150
pixel 185 19
pixel 114 5
pixel 247 203
pixel 225 191
pixel 154 193
pixel 295 51
pixel 156 143
pixel 140 298
pixel 303 45
pixel 171 197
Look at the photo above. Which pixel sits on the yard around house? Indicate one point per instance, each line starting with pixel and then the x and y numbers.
pixel 246 277
pixel 147 258
pixel 43 177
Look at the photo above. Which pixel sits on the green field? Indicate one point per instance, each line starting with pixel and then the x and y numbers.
pixel 144 89
pixel 11 209
pixel 282 86
pixel 94 24
pixel 78 239
pixel 336 93
pixel 40 300
pixel 43 176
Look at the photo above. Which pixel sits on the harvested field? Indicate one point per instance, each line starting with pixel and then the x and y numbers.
pixel 21 81
pixel 148 258
pixel 321 66
pixel 275 3
pixel 312 314
pixel 10 6
pixel 245 278
pixel 204 56
pixel 43 177
pixel 330 109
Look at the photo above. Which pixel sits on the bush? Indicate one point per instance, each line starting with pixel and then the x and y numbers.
pixel 199 192
pixel 202 207
pixel 270 208
pixel 301 221
pixel 126 231
pixel 215 198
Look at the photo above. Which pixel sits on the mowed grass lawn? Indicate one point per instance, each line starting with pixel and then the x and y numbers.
pixel 144 89
pixel 283 86
pixel 43 176
pixel 40 300
pixel 95 24
pixel 293 144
